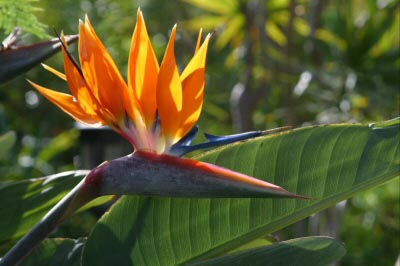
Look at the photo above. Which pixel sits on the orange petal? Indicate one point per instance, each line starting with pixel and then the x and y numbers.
pixel 101 73
pixel 78 86
pixel 199 40
pixel 55 72
pixel 193 82
pixel 143 70
pixel 169 92
pixel 198 60
pixel 68 104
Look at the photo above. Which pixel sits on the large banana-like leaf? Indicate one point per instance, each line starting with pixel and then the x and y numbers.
pixel 316 251
pixel 24 203
pixel 56 252
pixel 328 163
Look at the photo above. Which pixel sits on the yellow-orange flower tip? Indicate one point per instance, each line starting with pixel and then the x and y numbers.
pixel 199 40
pixel 54 71
pixel 153 110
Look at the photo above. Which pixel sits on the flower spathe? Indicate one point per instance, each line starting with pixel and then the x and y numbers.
pixel 153 110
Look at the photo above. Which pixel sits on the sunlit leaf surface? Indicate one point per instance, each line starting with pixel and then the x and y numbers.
pixel 329 163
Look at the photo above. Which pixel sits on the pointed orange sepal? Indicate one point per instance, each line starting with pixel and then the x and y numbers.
pixel 54 71
pixel 193 83
pixel 199 40
pixel 68 104
pixel 79 89
pixel 101 73
pixel 143 71
pixel 169 93
pixel 157 107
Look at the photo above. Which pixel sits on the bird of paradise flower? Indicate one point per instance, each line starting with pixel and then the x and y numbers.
pixel 156 111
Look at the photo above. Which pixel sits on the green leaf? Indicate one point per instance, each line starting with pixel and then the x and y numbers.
pixel 328 163
pixel 219 7
pixel 296 252
pixel 56 252
pixel 7 140
pixel 233 26
pixel 392 122
pixel 24 203
pixel 59 144
pixel 208 22
pixel 259 242
pixel 275 33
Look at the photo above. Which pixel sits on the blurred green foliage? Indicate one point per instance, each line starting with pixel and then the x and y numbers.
pixel 292 63
pixel 21 13
pixel 372 218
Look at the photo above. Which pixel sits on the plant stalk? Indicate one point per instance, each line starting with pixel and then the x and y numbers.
pixel 75 199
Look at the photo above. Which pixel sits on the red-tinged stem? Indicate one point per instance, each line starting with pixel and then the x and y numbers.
pixel 75 199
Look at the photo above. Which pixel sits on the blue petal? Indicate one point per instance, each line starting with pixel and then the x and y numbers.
pixel 233 138
pixel 183 146
pixel 188 138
